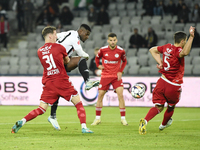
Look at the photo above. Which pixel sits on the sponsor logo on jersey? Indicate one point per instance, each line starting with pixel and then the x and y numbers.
pixel 116 55
pixel 169 50
pixel 110 62
pixel 106 54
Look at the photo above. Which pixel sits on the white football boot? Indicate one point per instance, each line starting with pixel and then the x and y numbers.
pixel 54 123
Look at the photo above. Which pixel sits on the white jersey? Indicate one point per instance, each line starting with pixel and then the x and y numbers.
pixel 71 41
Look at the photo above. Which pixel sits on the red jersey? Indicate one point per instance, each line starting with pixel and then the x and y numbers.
pixel 51 56
pixel 173 65
pixel 111 60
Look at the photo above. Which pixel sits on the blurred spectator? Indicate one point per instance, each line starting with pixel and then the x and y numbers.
pixel 18 7
pixel 53 10
pixel 28 8
pixel 4 28
pixel 151 38
pixel 136 40
pixel 160 9
pixel 80 4
pixel 3 11
pixel 93 67
pixel 103 17
pixel 148 5
pixel 44 18
pixel 183 15
pixel 5 4
pixel 195 16
pixel 171 8
pixel 132 1
pixel 179 6
pixel 66 16
pixel 101 3
pixel 196 41
pixel 92 16
pixel 59 28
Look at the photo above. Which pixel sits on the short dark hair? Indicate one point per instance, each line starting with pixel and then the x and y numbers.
pixel 85 26
pixel 178 36
pixel 112 35
pixel 47 30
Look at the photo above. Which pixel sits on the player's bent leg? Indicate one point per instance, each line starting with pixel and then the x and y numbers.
pixel 142 127
pixel 167 120
pixel 73 63
pixel 84 71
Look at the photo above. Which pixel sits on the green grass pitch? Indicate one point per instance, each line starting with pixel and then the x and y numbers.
pixel 38 134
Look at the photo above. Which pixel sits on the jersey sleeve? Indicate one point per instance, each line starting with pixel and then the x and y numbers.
pixel 98 57
pixel 160 49
pixel 60 35
pixel 64 52
pixel 123 57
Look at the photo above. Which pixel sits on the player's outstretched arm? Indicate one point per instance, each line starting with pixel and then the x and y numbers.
pixel 188 45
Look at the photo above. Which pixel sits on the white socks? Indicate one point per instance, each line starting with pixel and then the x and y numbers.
pixel 83 125
pixel 24 121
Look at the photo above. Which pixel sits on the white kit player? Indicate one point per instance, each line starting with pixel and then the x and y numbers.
pixel 71 41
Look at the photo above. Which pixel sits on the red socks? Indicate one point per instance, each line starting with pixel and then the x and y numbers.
pixel 168 114
pixel 152 113
pixel 122 112
pixel 81 112
pixel 98 111
pixel 34 113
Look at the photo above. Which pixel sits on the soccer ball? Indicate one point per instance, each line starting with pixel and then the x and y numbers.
pixel 138 90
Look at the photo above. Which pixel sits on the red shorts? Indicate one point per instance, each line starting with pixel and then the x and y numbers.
pixel 105 83
pixel 52 90
pixel 166 91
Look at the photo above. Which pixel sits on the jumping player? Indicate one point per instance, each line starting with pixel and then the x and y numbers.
pixel 71 41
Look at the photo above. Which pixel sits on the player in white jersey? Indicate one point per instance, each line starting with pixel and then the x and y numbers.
pixel 71 41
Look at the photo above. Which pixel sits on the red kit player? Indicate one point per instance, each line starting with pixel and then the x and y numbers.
pixel 168 87
pixel 112 68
